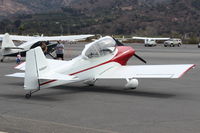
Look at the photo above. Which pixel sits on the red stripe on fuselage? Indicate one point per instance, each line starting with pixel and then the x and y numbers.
pixel 123 55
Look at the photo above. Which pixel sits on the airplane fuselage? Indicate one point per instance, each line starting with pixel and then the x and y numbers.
pixel 88 69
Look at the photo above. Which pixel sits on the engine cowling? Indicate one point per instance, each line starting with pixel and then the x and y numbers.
pixel 132 84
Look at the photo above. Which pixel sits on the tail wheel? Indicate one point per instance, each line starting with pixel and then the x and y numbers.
pixel 28 96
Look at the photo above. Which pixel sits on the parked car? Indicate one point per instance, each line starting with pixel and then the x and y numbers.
pixel 173 42
pixel 150 43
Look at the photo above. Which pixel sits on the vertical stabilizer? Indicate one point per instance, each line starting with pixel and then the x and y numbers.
pixel 7 41
pixel 36 66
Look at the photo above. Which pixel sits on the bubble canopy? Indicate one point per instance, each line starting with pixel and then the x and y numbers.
pixel 98 48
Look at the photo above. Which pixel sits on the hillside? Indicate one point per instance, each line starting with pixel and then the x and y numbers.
pixel 129 17
pixel 13 7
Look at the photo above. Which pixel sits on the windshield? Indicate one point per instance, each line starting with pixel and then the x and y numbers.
pixel 101 47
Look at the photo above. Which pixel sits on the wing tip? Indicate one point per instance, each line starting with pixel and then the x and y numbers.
pixel 191 67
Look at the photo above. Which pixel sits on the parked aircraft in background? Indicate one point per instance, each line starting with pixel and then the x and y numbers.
pixel 105 58
pixel 123 39
pixel 149 42
pixel 8 47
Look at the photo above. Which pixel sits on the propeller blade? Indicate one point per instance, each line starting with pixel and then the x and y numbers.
pixel 118 42
pixel 140 58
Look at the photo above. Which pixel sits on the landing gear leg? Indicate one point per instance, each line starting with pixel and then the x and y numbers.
pixel 28 95
pixel 2 58
pixel 91 82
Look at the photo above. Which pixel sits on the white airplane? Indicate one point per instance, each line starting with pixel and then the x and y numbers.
pixel 150 41
pixel 8 47
pixel 123 39
pixel 105 58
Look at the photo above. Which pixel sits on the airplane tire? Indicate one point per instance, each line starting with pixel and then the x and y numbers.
pixel 28 96
pixel 1 60
pixel 133 88
pixel 90 84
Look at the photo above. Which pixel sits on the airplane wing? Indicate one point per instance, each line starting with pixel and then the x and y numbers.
pixel 146 71
pixel 55 38
pixel 66 38
pixel 50 38
pixel 144 38
pixel 162 39
pixel 19 38
pixel 22 38
pixel 140 38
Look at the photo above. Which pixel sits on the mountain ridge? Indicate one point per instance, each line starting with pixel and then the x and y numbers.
pixel 141 17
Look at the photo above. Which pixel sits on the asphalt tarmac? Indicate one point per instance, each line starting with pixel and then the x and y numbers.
pixel 156 106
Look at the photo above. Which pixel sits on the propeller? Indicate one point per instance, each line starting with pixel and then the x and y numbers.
pixel 137 56
pixel 140 58
pixel 118 42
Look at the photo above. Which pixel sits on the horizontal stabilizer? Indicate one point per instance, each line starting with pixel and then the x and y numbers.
pixel 66 38
pixel 146 71
pixel 21 66
pixel 57 76
pixel 52 63
pixel 17 75
pixel 54 76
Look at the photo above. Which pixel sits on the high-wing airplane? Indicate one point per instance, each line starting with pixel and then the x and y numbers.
pixel 19 37
pixel 148 41
pixel 123 39
pixel 8 47
pixel 105 58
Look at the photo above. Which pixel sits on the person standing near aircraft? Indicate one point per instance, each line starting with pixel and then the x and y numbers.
pixel 43 45
pixel 18 58
pixel 60 51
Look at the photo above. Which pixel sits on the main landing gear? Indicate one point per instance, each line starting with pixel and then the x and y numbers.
pixel 28 95
pixel 90 82
pixel 131 84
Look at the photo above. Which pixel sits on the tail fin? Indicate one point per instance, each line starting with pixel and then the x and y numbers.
pixel 36 66
pixel 7 41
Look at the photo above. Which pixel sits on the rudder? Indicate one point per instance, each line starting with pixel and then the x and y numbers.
pixel 7 41
pixel 36 66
